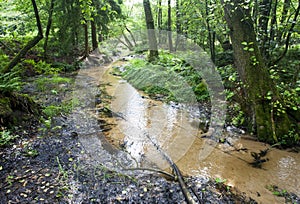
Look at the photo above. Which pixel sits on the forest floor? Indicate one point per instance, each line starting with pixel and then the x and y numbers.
pixel 49 165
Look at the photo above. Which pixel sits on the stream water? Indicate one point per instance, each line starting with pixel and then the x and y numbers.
pixel 141 121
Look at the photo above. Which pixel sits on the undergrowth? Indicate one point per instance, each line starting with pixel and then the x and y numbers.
pixel 169 79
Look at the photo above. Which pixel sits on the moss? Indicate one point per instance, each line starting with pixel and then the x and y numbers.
pixel 5 109
pixel 17 108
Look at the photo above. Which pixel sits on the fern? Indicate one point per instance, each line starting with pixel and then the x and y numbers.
pixel 10 82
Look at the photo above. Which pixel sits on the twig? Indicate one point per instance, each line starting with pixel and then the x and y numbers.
pixel 153 170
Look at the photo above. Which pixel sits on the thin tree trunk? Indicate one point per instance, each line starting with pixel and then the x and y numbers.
pixel 94 35
pixel 274 25
pixel 30 44
pixel 169 27
pixel 131 35
pixel 48 28
pixel 86 40
pixel 159 20
pixel 211 34
pixel 265 10
pixel 288 38
pixel 127 41
pixel 284 14
pixel 178 24
pixel 153 51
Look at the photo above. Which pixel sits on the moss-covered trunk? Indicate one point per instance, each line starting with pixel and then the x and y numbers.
pixel 17 108
pixel 260 91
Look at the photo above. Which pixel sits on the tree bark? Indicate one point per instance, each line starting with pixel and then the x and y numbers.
pixel 252 70
pixel 169 27
pixel 178 24
pixel 131 35
pixel 159 19
pixel 48 28
pixel 94 35
pixel 30 44
pixel 86 40
pixel 153 51
pixel 211 34
pixel 284 14
pixel 265 10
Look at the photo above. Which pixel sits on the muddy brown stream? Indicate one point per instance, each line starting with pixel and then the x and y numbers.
pixel 173 128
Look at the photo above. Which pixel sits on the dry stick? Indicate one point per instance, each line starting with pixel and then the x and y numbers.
pixel 188 197
pixel 150 169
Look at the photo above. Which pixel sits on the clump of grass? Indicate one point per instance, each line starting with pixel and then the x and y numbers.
pixel 6 138
pixel 46 82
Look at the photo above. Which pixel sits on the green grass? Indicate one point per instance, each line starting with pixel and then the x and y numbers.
pixel 169 77
pixel 45 83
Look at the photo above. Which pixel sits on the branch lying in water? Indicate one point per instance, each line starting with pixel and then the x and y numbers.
pixel 187 195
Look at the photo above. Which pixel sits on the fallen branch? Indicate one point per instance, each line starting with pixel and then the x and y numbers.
pixel 187 195
pixel 153 170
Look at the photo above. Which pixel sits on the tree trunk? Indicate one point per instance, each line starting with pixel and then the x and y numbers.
pixel 284 14
pixel 178 24
pixel 86 40
pixel 94 35
pixel 265 10
pixel 48 28
pixel 30 44
pixel 211 34
pixel 153 51
pixel 159 20
pixel 254 75
pixel 169 27
pixel 131 35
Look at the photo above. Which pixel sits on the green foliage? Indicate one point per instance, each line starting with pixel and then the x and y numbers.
pixel 10 82
pixel 44 83
pixel 64 108
pixel 42 67
pixel 291 138
pixel 220 180
pixel 6 138
pixel 170 77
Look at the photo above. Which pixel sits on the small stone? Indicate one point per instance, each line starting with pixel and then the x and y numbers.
pixel 23 195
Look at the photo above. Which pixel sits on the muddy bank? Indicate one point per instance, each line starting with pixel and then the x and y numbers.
pixel 60 170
